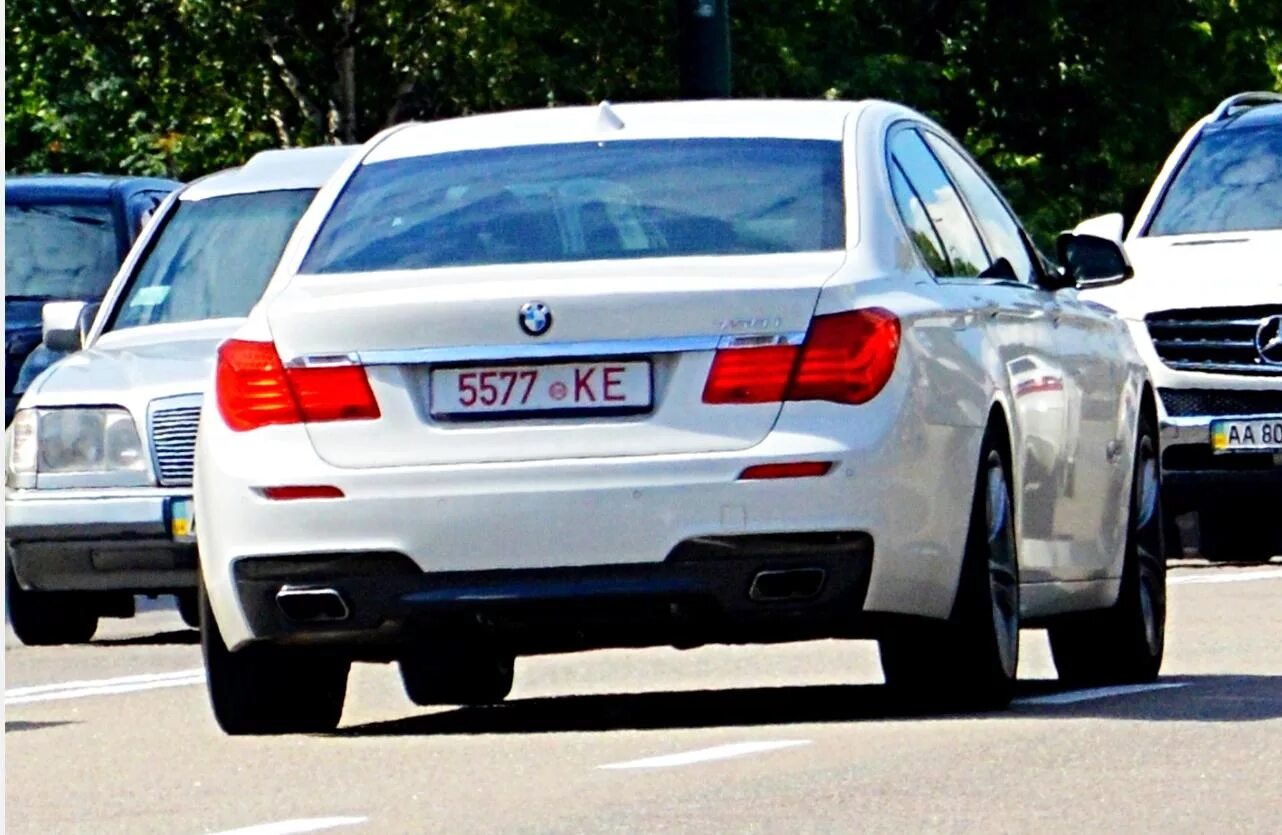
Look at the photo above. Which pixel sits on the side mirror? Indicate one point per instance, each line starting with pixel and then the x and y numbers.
pixel 62 325
pixel 1092 261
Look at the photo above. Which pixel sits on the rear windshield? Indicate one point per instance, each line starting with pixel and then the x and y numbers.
pixel 1230 182
pixel 586 201
pixel 212 259
pixel 59 251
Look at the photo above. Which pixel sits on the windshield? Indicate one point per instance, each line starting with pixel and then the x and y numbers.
pixel 59 251
pixel 1231 182
pixel 586 201
pixel 212 259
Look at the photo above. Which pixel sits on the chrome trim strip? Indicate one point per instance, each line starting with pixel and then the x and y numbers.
pixel 324 361
pixel 558 350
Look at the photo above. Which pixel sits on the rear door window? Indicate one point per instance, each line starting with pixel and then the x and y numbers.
pixel 935 196
pixel 1000 229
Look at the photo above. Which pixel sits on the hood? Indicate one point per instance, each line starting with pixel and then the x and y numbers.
pixel 1191 271
pixel 135 366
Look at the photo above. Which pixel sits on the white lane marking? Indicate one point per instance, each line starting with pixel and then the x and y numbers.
pixel 1235 577
pixel 703 755
pixel 294 825
pixel 101 687
pixel 67 685
pixel 1074 696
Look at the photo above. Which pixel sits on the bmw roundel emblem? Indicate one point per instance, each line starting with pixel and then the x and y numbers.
pixel 535 318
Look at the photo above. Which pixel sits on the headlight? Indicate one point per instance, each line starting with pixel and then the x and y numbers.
pixel 47 441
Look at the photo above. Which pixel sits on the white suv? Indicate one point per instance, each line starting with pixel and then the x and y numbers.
pixel 1206 312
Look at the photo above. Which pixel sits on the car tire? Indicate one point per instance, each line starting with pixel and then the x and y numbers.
pixel 1227 535
pixel 969 661
pixel 1124 644
pixel 189 608
pixel 263 689
pixel 457 676
pixel 43 618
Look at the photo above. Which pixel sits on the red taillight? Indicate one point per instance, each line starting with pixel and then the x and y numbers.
pixel 799 469
pixel 300 491
pixel 254 389
pixel 846 358
pixel 339 392
pixel 251 386
pixel 750 375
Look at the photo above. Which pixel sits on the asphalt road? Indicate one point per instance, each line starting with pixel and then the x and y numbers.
pixel 117 737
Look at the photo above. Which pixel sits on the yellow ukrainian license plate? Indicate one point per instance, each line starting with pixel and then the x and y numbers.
pixel 182 520
pixel 1252 435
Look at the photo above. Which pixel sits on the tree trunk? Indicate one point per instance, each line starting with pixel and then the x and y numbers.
pixel 345 61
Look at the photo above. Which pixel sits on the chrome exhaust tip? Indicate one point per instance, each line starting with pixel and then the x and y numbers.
pixel 788 584
pixel 311 605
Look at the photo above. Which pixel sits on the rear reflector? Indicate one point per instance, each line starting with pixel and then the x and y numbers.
pixel 846 358
pixel 254 389
pixel 299 491
pixel 799 469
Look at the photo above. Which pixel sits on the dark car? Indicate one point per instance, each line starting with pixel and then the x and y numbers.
pixel 65 235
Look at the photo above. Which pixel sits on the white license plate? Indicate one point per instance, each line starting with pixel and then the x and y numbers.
pixel 182 520
pixel 1254 435
pixel 560 387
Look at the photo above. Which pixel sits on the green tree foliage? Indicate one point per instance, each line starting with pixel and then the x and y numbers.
pixel 1070 104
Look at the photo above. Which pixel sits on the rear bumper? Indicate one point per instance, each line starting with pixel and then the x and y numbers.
pixel 583 516
pixel 768 589
pixel 78 540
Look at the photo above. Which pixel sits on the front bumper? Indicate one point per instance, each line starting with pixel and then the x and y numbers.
pixel 82 540
pixel 1194 477
pixel 731 590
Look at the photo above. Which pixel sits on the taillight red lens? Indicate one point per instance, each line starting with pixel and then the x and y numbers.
pixel 847 358
pixel 251 386
pixel 750 375
pixel 254 389
pixel 339 392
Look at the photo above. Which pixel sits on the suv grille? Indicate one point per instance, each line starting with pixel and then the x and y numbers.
pixel 1219 340
pixel 1219 402
pixel 173 440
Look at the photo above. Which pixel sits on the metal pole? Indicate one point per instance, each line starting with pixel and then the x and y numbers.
pixel 703 48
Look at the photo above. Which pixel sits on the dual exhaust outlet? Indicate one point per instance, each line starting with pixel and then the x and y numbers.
pixel 326 605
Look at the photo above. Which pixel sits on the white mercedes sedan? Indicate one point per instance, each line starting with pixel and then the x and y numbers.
pixel 672 374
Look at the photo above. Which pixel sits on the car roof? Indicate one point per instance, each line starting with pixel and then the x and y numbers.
pixel 784 119
pixel 1253 117
pixel 78 187
pixel 280 170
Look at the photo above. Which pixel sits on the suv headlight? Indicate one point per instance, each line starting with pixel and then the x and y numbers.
pixel 49 441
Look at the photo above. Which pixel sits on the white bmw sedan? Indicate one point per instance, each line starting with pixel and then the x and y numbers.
pixel 672 374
